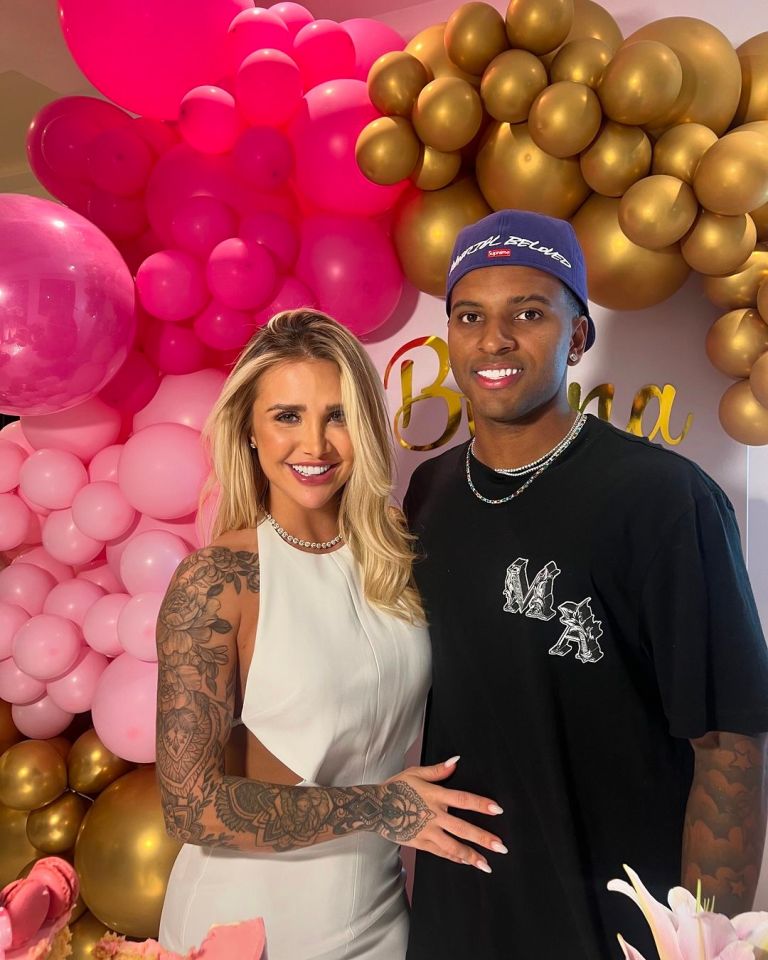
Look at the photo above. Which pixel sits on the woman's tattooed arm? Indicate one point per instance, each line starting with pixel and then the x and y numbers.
pixel 197 654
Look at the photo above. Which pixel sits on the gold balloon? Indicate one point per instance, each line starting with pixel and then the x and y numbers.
pixel 641 82
pixel 32 773
pixel 395 81
pixel 15 848
pixel 711 72
pixel 739 289
pixel 657 211
pixel 435 169
pixel 735 341
pixel 758 379
pixel 86 933
pixel 760 216
pixel 123 855
pixel 513 172
pixel 565 118
pixel 677 152
pixel 732 177
pixel 425 228
pixel 91 766
pixel 53 828
pixel 753 57
pixel 622 275
pixel 591 21
pixel 719 245
pixel 619 157
pixel 387 149
pixel 62 745
pixel 474 35
pixel 581 61
pixel 762 300
pixel 742 416
pixel 538 25
pixel 428 46
pixel 511 83
pixel 9 734
pixel 448 114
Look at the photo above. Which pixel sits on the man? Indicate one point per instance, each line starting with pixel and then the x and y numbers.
pixel 598 660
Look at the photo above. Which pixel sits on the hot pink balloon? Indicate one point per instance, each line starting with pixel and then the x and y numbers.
pixel 121 218
pixel 42 719
pixel 100 624
pixel 137 625
pixel 120 161
pixel 52 478
pixel 40 557
pixel 292 295
pixel 16 521
pixel 75 690
pixel 149 561
pixel 199 223
pixel 241 274
pixel 185 399
pixel 254 29
pixel 26 585
pixel 104 464
pixel 133 386
pixel 64 349
pixel 173 348
pixel 223 328
pixel 268 87
pixel 263 158
pixel 82 430
pixel 64 540
pixel 293 15
pixel 17 686
pixel 208 119
pixel 171 285
pixel 11 618
pixel 335 260
pixel 324 51
pixel 11 459
pixel 124 706
pixel 102 575
pixel 46 646
pixel 372 39
pixel 72 600
pixel 101 511
pixel 274 232
pixel 162 470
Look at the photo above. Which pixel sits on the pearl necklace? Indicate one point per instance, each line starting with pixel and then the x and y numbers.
pixel 539 466
pixel 289 538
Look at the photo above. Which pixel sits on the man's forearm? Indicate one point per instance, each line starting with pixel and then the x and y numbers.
pixel 725 819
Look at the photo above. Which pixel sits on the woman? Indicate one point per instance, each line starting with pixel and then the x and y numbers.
pixel 303 611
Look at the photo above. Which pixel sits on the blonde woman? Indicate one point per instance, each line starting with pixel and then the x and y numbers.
pixel 301 616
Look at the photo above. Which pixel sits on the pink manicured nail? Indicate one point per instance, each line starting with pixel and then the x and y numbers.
pixel 495 809
pixel 498 847
pixel 453 761
pixel 484 867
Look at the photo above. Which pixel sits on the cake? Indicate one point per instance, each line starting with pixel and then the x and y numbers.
pixel 243 941
pixel 35 912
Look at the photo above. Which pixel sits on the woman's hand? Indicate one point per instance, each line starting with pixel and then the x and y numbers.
pixel 416 814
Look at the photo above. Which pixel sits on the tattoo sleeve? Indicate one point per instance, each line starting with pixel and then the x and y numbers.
pixel 197 654
pixel 725 820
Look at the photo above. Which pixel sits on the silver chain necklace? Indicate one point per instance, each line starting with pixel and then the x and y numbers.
pixel 554 452
pixel 289 538
pixel 539 466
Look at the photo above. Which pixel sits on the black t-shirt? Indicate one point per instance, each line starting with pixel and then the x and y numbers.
pixel 582 633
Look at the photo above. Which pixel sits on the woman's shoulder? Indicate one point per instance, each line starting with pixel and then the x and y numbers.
pixel 232 558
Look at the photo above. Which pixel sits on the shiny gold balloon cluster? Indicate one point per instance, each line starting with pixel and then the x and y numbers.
pixel 654 146
pixel 85 804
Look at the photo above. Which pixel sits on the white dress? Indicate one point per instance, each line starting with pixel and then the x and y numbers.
pixel 336 691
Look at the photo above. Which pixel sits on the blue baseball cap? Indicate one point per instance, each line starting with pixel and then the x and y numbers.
pixel 519 238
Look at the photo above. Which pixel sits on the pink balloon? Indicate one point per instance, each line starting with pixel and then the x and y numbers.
pixel 17 686
pixel 12 433
pixel 274 232
pixel 104 464
pixel 184 527
pixel 102 575
pixel 52 478
pixel 254 29
pixel 124 706
pixel 39 557
pixel 121 218
pixel 64 540
pixel 268 86
pixel 11 618
pixel 100 624
pixel 72 599
pixel 324 51
pixel 159 135
pixel 101 511
pixel 133 386
pixel 208 119
pixel 16 521
pixel 82 430
pixel 26 585
pixel 42 719
pixel 149 561
pixel 46 646
pixel 372 39
pixel 162 470
pixel 75 690
pixel 120 161
pixel 223 328
pixel 241 274
pixel 63 131
pixel 292 295
pixel 173 348
pixel 146 55
pixel 324 133
pixel 335 260
pixel 185 399
pixel 199 223
pixel 263 158
pixel 11 459
pixel 64 349
pixel 293 15
pixel 41 512
pixel 137 625
pixel 171 285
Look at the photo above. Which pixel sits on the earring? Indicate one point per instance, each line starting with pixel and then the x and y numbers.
pixel 573 357
pixel 252 443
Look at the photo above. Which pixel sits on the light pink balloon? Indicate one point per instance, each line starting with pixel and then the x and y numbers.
pixel 184 527
pixel 133 385
pixel 12 433
pixel 102 575
pixel 52 478
pixel 268 86
pixel 263 158
pixel 17 686
pixel 64 540
pixel 82 430
pixel 26 585
pixel 324 51
pixel 276 233
pixel 11 618
pixel 199 223
pixel 42 719
pixel 11 459
pixel 185 399
pixel 15 521
pixel 173 348
pixel 223 328
pixel 100 624
pixel 101 511
pixel 293 15
pixel 242 275
pixel 137 625
pixel 124 707
pixel 104 464
pixel 40 557
pixel 149 561
pixel 46 646
pixel 75 690
pixel 171 285
pixel 162 470
pixel 292 295
pixel 120 161
pixel 72 599
pixel 41 512
pixel 372 39
pixel 254 29
pixel 208 119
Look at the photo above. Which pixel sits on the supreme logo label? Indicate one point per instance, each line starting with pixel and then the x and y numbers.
pixel 502 252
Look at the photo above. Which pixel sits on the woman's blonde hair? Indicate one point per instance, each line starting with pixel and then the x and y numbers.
pixel 374 531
